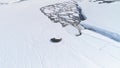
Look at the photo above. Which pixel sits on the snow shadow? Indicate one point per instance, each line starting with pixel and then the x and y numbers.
pixel 109 34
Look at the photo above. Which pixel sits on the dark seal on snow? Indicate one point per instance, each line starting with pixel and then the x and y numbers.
pixel 55 40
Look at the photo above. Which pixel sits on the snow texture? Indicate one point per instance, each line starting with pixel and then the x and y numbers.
pixel 25 35
pixel 6 2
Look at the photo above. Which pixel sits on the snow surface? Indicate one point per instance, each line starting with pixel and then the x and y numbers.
pixel 25 35
pixel 106 33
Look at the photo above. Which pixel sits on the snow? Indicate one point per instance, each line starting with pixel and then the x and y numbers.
pixel 25 35
pixel 112 35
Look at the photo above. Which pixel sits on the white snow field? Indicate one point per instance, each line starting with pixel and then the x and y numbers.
pixel 25 35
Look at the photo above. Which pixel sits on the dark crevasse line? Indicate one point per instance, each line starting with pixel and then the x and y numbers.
pixel 109 34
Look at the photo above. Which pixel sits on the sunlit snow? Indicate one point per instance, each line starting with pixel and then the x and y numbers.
pixel 25 35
